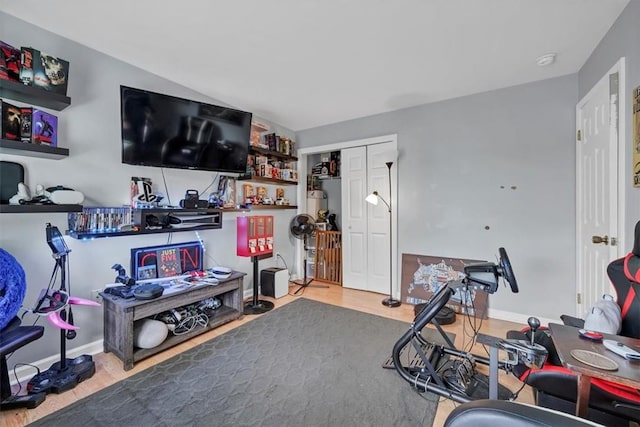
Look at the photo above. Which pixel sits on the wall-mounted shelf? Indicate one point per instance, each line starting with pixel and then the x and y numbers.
pixel 261 207
pixel 274 181
pixel 33 95
pixel 270 153
pixel 39 208
pixel 191 220
pixel 19 148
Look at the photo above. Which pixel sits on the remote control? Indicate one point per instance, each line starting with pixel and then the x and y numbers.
pixel 622 350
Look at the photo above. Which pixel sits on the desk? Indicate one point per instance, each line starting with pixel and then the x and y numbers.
pixel 566 338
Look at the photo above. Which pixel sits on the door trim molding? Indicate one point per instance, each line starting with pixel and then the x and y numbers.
pixel 302 190
pixel 623 171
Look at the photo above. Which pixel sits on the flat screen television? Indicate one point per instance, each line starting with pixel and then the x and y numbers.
pixel 166 131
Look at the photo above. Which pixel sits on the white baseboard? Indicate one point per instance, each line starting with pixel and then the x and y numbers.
pixel 518 318
pixel 25 373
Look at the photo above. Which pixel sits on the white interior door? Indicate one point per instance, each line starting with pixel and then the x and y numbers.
pixel 597 190
pixel 354 217
pixel 380 256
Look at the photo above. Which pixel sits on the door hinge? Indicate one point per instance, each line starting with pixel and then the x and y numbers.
pixel 579 298
pixel 579 135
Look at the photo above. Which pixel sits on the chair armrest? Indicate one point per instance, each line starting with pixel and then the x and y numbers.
pixel 504 413
pixel 572 321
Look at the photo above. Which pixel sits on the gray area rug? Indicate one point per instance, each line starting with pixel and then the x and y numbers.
pixel 303 364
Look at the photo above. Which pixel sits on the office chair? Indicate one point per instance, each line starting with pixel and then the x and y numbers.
pixel 12 337
pixel 555 387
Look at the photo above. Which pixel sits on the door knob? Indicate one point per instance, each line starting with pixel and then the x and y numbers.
pixel 598 239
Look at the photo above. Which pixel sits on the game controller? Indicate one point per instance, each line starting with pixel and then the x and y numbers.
pixel 220 272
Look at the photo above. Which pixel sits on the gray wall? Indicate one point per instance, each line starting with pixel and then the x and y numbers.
pixel 623 40
pixel 90 129
pixel 458 160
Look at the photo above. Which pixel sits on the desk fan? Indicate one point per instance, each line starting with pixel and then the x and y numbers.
pixel 302 226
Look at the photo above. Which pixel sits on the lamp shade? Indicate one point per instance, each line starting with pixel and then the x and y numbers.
pixel 372 198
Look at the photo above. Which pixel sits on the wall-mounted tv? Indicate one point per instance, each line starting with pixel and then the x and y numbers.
pixel 166 131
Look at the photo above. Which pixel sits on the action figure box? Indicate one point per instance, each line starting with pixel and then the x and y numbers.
pixel 49 72
pixel 26 66
pixel 11 119
pixel 26 119
pixel 44 128
pixel 9 62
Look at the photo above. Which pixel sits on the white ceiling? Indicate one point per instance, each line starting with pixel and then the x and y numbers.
pixel 306 63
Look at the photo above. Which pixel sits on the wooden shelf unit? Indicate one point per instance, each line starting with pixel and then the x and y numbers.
pixel 265 180
pixel 121 314
pixel 270 153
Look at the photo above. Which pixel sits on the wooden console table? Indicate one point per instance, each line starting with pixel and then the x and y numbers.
pixel 120 315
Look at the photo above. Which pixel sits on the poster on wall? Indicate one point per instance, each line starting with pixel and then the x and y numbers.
pixel 635 101
pixel 424 275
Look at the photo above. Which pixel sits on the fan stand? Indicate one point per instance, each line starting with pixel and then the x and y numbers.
pixel 256 306
pixel 306 283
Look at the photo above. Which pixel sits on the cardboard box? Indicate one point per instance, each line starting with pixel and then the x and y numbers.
pixel 49 72
pixel 11 119
pixel 44 128
pixel 9 62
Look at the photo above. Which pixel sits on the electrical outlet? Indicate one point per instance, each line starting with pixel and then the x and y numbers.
pixel 278 255
pixel 95 295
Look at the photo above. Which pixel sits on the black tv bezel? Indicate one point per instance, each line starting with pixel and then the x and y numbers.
pixel 161 165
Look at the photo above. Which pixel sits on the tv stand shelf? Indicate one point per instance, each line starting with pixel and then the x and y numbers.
pixel 121 314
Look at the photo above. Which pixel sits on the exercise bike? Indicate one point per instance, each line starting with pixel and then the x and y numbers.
pixel 446 371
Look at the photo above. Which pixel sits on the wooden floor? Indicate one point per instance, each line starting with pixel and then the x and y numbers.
pixel 109 368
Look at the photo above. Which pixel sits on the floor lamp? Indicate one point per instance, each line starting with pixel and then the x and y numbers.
pixel 373 199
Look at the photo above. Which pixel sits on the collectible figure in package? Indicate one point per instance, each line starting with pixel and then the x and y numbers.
pixel 49 72
pixel 10 122
pixel 26 66
pixel 44 128
pixel 9 62
pixel 26 114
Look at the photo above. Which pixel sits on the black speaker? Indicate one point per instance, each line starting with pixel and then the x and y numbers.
pixel 11 174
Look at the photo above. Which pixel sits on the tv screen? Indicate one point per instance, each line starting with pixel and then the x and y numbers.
pixel 166 131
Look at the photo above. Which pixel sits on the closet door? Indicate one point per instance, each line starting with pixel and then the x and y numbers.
pixel 366 253
pixel 379 255
pixel 354 217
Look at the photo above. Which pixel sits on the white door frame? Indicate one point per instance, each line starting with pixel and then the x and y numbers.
pixel 302 191
pixel 619 177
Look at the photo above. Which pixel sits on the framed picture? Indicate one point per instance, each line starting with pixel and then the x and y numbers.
pixel 423 275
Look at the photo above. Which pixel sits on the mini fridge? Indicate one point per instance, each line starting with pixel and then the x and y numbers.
pixel 316 200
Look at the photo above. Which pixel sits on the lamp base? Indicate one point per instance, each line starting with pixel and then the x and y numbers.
pixel 391 302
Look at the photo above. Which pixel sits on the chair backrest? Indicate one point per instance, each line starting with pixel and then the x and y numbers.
pixel 624 274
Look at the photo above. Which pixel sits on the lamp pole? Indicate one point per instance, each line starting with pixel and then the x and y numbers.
pixel 390 302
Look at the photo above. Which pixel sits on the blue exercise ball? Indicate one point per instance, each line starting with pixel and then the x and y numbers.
pixel 13 286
